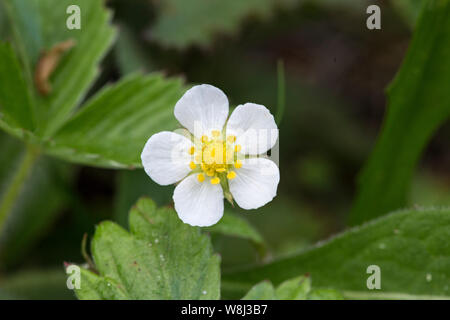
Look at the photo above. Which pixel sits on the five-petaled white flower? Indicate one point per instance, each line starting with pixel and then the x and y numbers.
pixel 218 159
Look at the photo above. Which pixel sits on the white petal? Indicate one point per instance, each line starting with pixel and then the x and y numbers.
pixel 166 157
pixel 255 183
pixel 254 127
pixel 202 109
pixel 198 203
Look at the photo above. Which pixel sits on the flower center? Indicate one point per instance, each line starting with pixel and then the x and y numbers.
pixel 215 157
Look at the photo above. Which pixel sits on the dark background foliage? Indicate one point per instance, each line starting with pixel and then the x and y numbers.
pixel 336 72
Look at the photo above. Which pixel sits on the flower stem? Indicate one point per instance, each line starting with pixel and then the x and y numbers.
pixel 12 192
pixel 281 97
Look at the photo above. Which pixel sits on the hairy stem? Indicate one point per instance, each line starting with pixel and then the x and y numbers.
pixel 16 184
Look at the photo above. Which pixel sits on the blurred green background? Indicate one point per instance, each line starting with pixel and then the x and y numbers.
pixel 336 72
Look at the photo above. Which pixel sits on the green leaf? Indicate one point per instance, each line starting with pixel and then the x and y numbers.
pixel 294 289
pixel 15 104
pixel 262 291
pixel 409 246
pixel 325 294
pixel 38 25
pixel 236 226
pixel 182 23
pixel 111 129
pixel 113 126
pixel 418 104
pixel 160 258
pixel 298 288
pixel 93 287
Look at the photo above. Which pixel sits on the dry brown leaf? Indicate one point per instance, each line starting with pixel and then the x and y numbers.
pixel 48 62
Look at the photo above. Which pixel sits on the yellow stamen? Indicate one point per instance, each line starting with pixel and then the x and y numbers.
pixel 215 133
pixel 215 180
pixel 215 156
pixel 231 175
pixel 229 156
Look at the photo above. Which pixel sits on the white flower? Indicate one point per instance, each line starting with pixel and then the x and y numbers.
pixel 218 159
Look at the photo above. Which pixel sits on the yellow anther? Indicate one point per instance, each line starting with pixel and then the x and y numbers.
pixel 215 157
pixel 200 177
pixel 191 150
pixel 229 156
pixel 215 133
pixel 215 180
pixel 231 175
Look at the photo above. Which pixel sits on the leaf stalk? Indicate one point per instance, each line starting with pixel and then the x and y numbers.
pixel 12 192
